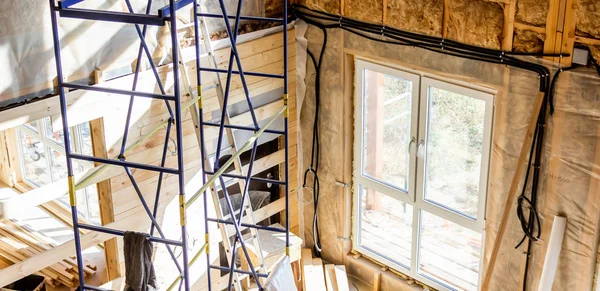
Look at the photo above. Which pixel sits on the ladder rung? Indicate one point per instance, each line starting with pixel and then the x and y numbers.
pixel 254 18
pixel 238 271
pixel 166 10
pixel 257 74
pixel 255 226
pixel 240 127
pixel 119 91
pixel 112 16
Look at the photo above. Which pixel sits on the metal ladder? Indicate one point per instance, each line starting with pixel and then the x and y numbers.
pixel 246 214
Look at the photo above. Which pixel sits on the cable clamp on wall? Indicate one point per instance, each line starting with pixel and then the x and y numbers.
pixel 72 196
pixel 342 184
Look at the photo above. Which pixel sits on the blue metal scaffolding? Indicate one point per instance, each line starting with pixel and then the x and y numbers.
pixel 168 14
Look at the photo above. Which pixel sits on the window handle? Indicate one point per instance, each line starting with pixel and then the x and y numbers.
pixel 412 141
pixel 421 149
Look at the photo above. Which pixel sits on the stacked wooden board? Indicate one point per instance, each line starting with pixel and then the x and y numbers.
pixel 18 243
pixel 316 276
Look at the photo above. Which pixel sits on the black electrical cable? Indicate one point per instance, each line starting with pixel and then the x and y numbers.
pixel 531 225
pixel 315 150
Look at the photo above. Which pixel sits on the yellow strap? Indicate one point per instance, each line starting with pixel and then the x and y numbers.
pixel 286 113
pixel 207 243
pixel 182 209
pixel 72 196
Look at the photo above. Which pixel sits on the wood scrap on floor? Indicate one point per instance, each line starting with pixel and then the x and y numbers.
pixel 18 243
pixel 316 276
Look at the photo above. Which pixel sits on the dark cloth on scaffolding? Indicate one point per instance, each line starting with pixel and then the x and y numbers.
pixel 139 271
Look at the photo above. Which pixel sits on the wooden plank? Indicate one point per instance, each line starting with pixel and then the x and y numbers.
pixel 384 16
pixel 527 27
pixel 317 275
pixel 568 32
pixel 341 278
pixel 551 27
pixel 330 280
pixel 5 164
pixel 376 281
pixel 306 260
pixel 512 193
pixel 38 262
pixel 105 201
pixel 445 18
pixel 508 27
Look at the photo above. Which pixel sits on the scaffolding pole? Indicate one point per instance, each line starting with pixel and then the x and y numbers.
pixel 168 14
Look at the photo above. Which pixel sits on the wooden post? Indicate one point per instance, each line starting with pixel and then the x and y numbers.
pixel 105 202
pixel 509 25
pixel 512 193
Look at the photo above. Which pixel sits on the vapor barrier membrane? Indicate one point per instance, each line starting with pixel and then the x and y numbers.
pixel 570 172
pixel 26 47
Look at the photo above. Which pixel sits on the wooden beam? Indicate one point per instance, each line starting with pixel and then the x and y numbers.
pixel 551 27
pixel 384 13
pixel 512 193
pixel 568 32
pixel 105 203
pixel 527 27
pixel 587 40
pixel 508 26
pixel 445 18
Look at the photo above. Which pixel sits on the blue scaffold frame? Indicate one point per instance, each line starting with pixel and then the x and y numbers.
pixel 64 8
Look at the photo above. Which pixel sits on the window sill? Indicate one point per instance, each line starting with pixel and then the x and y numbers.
pixel 373 272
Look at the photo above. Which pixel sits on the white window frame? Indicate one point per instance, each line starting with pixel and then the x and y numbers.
pixel 415 195
pixel 39 133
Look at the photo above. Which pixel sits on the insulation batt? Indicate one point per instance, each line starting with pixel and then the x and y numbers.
pixel 570 174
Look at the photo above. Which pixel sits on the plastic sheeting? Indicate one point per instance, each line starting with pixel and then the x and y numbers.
pixel 570 174
pixel 26 45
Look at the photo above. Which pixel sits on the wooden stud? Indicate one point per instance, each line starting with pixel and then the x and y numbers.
pixel 568 32
pixel 105 201
pixel 384 13
pixel 376 281
pixel 527 27
pixel 445 18
pixel 512 193
pixel 508 27
pixel 551 27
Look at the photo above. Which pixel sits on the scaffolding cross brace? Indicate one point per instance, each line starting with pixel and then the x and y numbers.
pixel 168 14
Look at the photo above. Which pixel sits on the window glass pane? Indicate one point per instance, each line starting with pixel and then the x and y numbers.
pixel 454 150
pixel 32 125
pixel 33 157
pixel 448 252
pixel 387 118
pixel 56 137
pixel 86 139
pixel 59 165
pixel 385 226
pixel 93 204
